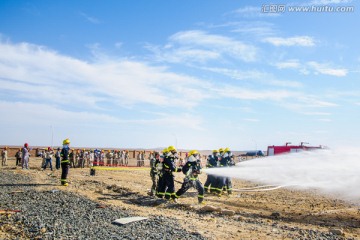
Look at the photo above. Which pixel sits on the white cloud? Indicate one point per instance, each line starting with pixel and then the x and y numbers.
pixel 183 55
pixel 283 83
pixel 318 68
pixel 238 74
pixel 253 94
pixel 40 114
pixel 35 72
pixel 327 70
pixel 314 102
pixel 292 63
pixel 178 121
pixel 253 75
pixel 254 12
pixel 199 46
pixel 329 2
pixel 307 104
pixel 304 41
pixel 258 30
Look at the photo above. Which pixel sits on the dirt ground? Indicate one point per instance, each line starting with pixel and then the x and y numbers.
pixel 277 214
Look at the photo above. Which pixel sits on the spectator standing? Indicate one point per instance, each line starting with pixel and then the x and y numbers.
pixel 25 156
pixel 4 157
pixel 18 157
pixel 48 158
pixel 57 159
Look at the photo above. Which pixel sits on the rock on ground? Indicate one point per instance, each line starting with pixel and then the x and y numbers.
pixel 64 215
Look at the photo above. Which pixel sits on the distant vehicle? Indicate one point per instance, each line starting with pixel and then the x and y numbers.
pixel 275 150
pixel 255 153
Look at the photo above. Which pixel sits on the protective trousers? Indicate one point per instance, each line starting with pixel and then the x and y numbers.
pixel 167 186
pixel 154 183
pixel 210 184
pixel 64 172
pixel 160 184
pixel 187 184
pixel 220 183
pixel 228 185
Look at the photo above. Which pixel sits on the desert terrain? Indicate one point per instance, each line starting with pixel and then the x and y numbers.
pixel 278 214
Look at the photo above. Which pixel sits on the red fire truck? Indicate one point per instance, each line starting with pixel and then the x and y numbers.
pixel 275 150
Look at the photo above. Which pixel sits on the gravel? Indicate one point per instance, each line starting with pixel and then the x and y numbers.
pixel 59 214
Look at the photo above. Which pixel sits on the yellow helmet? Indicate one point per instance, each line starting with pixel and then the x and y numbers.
pixel 193 152
pixel 215 151
pixel 221 150
pixel 171 149
pixel 227 149
pixel 66 141
pixel 165 150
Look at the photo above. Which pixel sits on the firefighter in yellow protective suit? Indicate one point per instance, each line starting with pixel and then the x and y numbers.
pixel 167 186
pixel 192 169
pixel 65 162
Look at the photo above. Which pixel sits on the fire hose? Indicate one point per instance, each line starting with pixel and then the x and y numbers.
pixel 258 188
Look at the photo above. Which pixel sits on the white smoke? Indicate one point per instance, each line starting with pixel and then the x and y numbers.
pixel 336 172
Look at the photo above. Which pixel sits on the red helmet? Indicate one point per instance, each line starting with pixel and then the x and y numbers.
pixel 49 148
pixel 26 145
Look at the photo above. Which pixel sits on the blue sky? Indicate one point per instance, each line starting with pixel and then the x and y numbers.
pixel 195 74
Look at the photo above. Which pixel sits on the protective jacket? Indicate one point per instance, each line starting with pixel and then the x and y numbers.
pixel 65 154
pixel 212 161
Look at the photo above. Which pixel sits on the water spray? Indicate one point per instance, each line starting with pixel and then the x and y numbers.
pixel 331 171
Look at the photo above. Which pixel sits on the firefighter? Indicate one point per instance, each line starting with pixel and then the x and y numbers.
pixel 168 187
pixel 4 156
pixel 212 161
pixel 220 181
pixel 159 167
pixel 192 169
pixel 154 160
pixel 223 182
pixel 229 162
pixel 65 162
